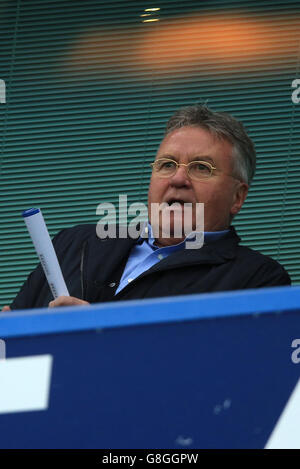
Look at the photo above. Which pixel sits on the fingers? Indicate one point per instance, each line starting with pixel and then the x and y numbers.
pixel 67 301
pixel 5 308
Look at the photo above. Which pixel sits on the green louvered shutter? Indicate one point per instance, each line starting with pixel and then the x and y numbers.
pixel 89 88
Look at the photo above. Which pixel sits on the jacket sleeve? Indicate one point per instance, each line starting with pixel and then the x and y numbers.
pixel 36 282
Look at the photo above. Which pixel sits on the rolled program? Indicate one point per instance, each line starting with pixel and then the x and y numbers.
pixel 44 248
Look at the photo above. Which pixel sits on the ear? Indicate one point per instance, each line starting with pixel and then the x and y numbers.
pixel 240 195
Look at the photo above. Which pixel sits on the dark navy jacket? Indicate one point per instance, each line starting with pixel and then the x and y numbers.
pixel 93 267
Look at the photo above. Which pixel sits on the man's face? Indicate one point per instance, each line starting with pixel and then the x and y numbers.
pixel 222 195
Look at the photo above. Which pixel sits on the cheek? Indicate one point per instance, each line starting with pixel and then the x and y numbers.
pixel 215 196
pixel 157 188
pixel 206 193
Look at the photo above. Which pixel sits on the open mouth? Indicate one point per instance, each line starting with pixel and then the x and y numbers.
pixel 176 201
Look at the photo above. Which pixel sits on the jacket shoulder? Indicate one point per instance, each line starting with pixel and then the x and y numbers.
pixel 267 271
pixel 75 234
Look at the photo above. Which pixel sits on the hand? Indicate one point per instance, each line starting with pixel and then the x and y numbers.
pixel 67 301
pixel 5 308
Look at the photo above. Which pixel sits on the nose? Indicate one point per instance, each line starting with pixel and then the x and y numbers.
pixel 181 178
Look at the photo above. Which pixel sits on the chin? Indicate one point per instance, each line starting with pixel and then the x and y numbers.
pixel 164 242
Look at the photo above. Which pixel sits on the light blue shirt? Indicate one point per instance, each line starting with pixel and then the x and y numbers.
pixel 144 256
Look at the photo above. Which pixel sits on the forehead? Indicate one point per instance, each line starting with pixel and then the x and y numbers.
pixel 190 142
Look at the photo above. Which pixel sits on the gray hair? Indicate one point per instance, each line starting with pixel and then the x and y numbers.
pixel 222 125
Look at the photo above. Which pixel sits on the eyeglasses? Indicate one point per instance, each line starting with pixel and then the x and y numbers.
pixel 197 170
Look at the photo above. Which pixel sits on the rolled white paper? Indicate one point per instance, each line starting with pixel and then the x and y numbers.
pixel 44 248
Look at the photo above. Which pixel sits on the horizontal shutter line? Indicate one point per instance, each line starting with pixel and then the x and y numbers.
pixel 141 162
pixel 63 141
pixel 52 87
pixel 66 180
pixel 137 111
pixel 109 41
pixel 112 188
pixel 132 19
pixel 262 8
pixel 48 90
pixel 105 8
pixel 224 70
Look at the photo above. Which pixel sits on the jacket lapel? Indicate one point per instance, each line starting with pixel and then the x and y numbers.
pixel 106 259
pixel 217 252
pixel 214 253
pixel 102 260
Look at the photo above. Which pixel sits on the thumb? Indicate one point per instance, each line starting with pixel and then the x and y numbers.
pixel 5 308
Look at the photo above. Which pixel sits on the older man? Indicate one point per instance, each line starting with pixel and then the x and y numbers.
pixel 205 157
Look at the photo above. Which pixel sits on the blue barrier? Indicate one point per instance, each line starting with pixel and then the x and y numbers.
pixel 124 313
pixel 200 371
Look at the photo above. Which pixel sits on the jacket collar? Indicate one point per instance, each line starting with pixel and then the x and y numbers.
pixel 102 258
pixel 216 252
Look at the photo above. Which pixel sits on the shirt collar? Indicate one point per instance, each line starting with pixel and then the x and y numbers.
pixel 209 236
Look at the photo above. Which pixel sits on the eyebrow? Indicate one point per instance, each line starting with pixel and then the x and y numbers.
pixel 196 158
